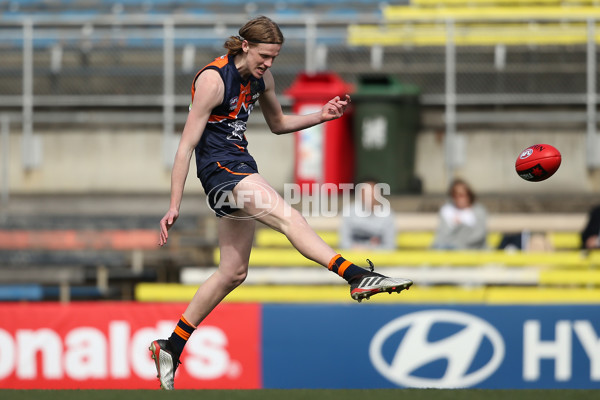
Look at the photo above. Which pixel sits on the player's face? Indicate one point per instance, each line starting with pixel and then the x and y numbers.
pixel 260 57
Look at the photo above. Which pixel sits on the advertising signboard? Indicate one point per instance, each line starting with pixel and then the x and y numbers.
pixel 387 346
pixel 105 345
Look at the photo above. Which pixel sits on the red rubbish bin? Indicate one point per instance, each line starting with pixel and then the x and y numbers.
pixel 323 153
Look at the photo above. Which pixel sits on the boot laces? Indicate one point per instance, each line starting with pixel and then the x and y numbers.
pixel 371 266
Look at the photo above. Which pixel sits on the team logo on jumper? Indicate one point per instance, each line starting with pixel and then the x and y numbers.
pixel 238 128
pixel 526 154
pixel 437 349
pixel 233 103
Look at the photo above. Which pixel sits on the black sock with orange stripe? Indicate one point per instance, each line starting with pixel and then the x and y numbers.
pixel 181 334
pixel 344 268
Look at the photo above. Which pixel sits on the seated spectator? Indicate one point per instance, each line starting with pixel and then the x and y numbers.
pixel 462 221
pixel 368 222
pixel 526 241
pixel 590 236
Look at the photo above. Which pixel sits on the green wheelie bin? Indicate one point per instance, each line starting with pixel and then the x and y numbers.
pixel 385 123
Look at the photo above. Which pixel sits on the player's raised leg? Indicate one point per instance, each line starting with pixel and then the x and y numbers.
pixel 268 207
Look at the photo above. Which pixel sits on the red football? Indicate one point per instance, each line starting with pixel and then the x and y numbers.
pixel 538 162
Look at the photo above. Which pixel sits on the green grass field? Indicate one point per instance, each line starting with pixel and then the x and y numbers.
pixel 273 394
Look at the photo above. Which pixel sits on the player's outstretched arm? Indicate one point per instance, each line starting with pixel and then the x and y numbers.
pixel 209 94
pixel 280 123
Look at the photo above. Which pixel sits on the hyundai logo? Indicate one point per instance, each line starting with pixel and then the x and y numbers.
pixel 462 349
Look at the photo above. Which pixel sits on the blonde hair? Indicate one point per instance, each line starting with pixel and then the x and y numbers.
pixel 258 30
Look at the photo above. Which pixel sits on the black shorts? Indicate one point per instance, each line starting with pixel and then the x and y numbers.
pixel 218 180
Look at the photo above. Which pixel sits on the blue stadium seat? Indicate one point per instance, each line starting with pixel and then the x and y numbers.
pixel 31 292
pixel 67 8
pixel 26 2
pixel 77 292
pixel 88 12
pixel 13 15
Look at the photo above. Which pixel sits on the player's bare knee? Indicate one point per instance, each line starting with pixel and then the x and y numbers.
pixel 234 279
pixel 237 279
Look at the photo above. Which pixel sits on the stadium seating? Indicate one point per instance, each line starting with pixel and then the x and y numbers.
pixel 279 273
pixel 128 62
pixel 464 277
pixel 27 292
pixel 88 257
pixel 417 294
pixel 417 240
pixel 479 23
pixel 66 8
pixel 427 258
pixel 469 34
pixel 104 251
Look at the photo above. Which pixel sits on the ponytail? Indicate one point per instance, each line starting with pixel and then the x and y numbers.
pixel 258 30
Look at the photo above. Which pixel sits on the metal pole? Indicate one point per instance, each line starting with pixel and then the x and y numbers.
pixel 450 100
pixel 28 148
pixel 592 142
pixel 311 46
pixel 5 146
pixel 168 90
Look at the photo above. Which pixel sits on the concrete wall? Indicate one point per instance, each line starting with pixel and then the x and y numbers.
pixel 130 160
pixel 89 160
pixel 489 162
pixel 124 160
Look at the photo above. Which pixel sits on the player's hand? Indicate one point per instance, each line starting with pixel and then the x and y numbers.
pixel 165 224
pixel 335 108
